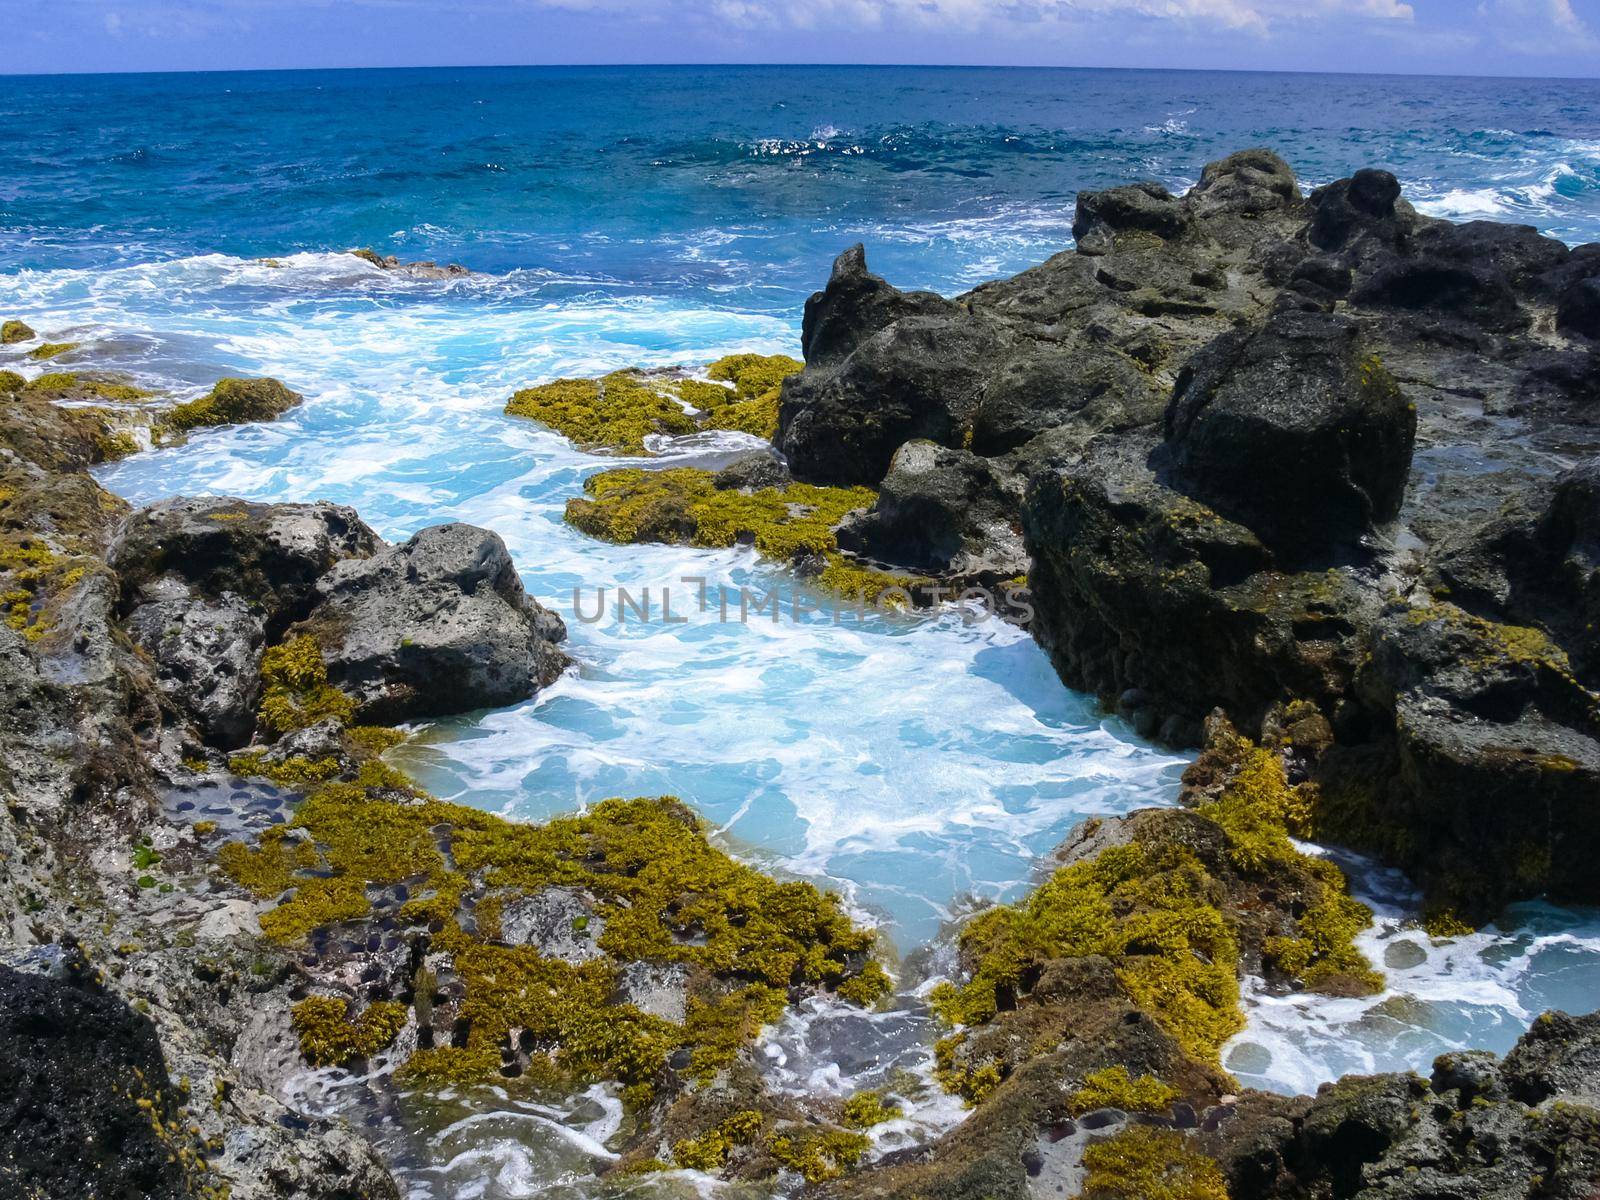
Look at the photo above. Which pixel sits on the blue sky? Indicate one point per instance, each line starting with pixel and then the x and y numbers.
pixel 1515 37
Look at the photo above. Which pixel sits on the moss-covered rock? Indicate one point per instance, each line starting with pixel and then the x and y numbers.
pixel 1111 989
pixel 1142 1163
pixel 794 524
pixel 295 688
pixel 51 350
pixel 15 331
pixel 615 412
pixel 74 385
pixel 650 891
pixel 232 402
pixel 1150 906
pixel 757 383
pixel 619 411
pixel 331 1037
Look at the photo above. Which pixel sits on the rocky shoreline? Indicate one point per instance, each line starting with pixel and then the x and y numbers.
pixel 1309 482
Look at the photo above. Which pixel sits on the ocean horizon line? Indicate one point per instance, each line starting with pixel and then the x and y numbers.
pixel 807 66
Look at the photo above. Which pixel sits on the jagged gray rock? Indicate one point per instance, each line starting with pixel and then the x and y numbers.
pixel 437 625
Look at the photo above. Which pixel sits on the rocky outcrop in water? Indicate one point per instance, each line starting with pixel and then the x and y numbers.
pixel 1273 447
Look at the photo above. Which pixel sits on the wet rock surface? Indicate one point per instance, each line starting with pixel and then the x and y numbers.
pixel 141 991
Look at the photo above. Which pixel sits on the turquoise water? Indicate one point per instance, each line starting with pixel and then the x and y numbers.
pixel 669 216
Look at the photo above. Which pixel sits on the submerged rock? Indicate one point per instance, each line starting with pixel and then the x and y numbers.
pixel 416 270
pixel 437 625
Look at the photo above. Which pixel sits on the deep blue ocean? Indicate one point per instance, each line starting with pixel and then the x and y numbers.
pixel 738 182
pixel 667 216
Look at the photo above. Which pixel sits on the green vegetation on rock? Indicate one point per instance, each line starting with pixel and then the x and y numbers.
pixel 757 382
pixel 1141 1163
pixel 51 350
pixel 1168 902
pixel 661 891
pixel 295 688
pixel 1115 1088
pixel 13 332
pixel 61 385
pixel 1150 909
pixel 794 524
pixel 619 410
pixel 231 402
pixel 819 1154
pixel 869 1108
pixel 709 1151
pixel 615 412
pixel 35 579
pixel 329 1037
pixel 1259 810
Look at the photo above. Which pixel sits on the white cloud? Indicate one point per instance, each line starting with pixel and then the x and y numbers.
pixel 1536 27
pixel 976 15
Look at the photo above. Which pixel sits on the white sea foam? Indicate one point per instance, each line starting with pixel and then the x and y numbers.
pixel 1478 991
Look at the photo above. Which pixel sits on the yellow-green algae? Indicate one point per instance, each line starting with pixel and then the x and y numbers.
pixel 819 1154
pixel 15 331
pixel 681 505
pixel 330 1037
pixel 663 892
pixel 35 578
pixel 615 412
pixel 115 444
pixel 757 384
pixel 620 410
pixel 710 1150
pixel 1150 909
pixel 51 350
pixel 1259 810
pixel 62 384
pixel 1154 910
pixel 869 1108
pixel 1141 1163
pixel 231 402
pixel 295 688
pixel 1115 1088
